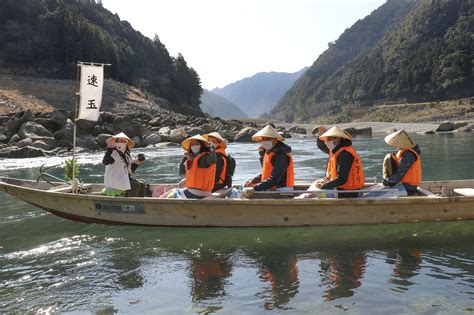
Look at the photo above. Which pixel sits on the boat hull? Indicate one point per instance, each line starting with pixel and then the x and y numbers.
pixel 244 212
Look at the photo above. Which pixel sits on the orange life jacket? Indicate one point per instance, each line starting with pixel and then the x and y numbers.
pixel 356 178
pixel 220 178
pixel 200 178
pixel 267 168
pixel 413 175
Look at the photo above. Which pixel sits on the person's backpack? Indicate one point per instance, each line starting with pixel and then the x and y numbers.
pixel 230 170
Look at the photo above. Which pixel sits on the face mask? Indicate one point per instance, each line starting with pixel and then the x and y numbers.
pixel 195 148
pixel 267 145
pixel 120 146
pixel 331 144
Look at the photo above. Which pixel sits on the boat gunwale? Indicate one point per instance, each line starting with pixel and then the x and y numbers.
pixel 268 201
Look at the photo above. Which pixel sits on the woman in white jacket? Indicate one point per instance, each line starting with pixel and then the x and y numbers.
pixel 119 165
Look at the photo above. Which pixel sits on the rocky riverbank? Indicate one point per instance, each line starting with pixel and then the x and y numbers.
pixel 29 134
pixel 34 134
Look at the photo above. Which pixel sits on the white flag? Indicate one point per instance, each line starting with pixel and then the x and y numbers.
pixel 92 82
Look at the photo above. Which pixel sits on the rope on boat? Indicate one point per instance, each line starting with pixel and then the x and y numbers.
pixel 44 176
pixel 75 184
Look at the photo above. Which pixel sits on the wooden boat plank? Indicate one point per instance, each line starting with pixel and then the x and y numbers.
pixel 241 212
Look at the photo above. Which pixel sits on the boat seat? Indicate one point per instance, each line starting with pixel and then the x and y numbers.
pixel 468 192
pixel 221 193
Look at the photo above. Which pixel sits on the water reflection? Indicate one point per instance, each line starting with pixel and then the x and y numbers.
pixel 342 273
pixel 406 264
pixel 242 270
pixel 209 273
pixel 280 271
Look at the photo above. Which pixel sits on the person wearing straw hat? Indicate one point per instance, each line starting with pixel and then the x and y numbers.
pixel 199 166
pixel 225 164
pixel 277 164
pixel 403 166
pixel 119 165
pixel 344 169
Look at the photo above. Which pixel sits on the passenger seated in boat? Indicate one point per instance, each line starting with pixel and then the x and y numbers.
pixel 225 164
pixel 119 167
pixel 344 169
pixel 403 166
pixel 199 165
pixel 277 164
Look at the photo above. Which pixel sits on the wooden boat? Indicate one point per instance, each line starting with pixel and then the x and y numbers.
pixel 437 201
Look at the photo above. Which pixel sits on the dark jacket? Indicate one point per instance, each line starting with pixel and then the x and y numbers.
pixel 280 162
pixel 343 163
pixel 407 160
pixel 219 166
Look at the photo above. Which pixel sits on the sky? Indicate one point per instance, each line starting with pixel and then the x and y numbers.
pixel 228 40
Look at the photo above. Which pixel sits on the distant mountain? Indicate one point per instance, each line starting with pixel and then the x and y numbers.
pixel 404 51
pixel 258 94
pixel 218 106
pixel 46 38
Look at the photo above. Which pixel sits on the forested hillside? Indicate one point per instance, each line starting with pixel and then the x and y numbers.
pixel 405 51
pixel 258 94
pixel 45 38
pixel 218 106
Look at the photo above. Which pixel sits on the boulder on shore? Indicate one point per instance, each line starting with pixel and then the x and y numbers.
pixel 128 126
pixel 245 135
pixel 13 124
pixel 59 118
pixel 177 135
pixel 87 142
pixel 297 129
pixel 445 126
pixel 151 140
pixel 33 131
pixel 15 152
pixel 100 139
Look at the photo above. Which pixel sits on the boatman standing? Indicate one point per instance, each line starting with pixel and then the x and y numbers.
pixel 403 166
pixel 277 164
pixel 344 169
pixel 119 167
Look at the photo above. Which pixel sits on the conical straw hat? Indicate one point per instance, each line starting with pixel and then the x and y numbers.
pixel 269 132
pixel 400 140
pixel 111 141
pixel 217 136
pixel 186 144
pixel 335 132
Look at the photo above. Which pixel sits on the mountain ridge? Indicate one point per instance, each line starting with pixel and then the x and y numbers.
pixel 257 94
pixel 218 106
pixel 425 56
pixel 46 38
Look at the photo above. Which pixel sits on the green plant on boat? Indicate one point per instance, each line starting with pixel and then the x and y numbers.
pixel 69 164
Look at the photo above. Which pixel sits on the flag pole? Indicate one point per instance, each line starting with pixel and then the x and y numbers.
pixel 78 96
pixel 78 99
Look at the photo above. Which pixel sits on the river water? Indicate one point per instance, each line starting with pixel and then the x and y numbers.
pixel 50 265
